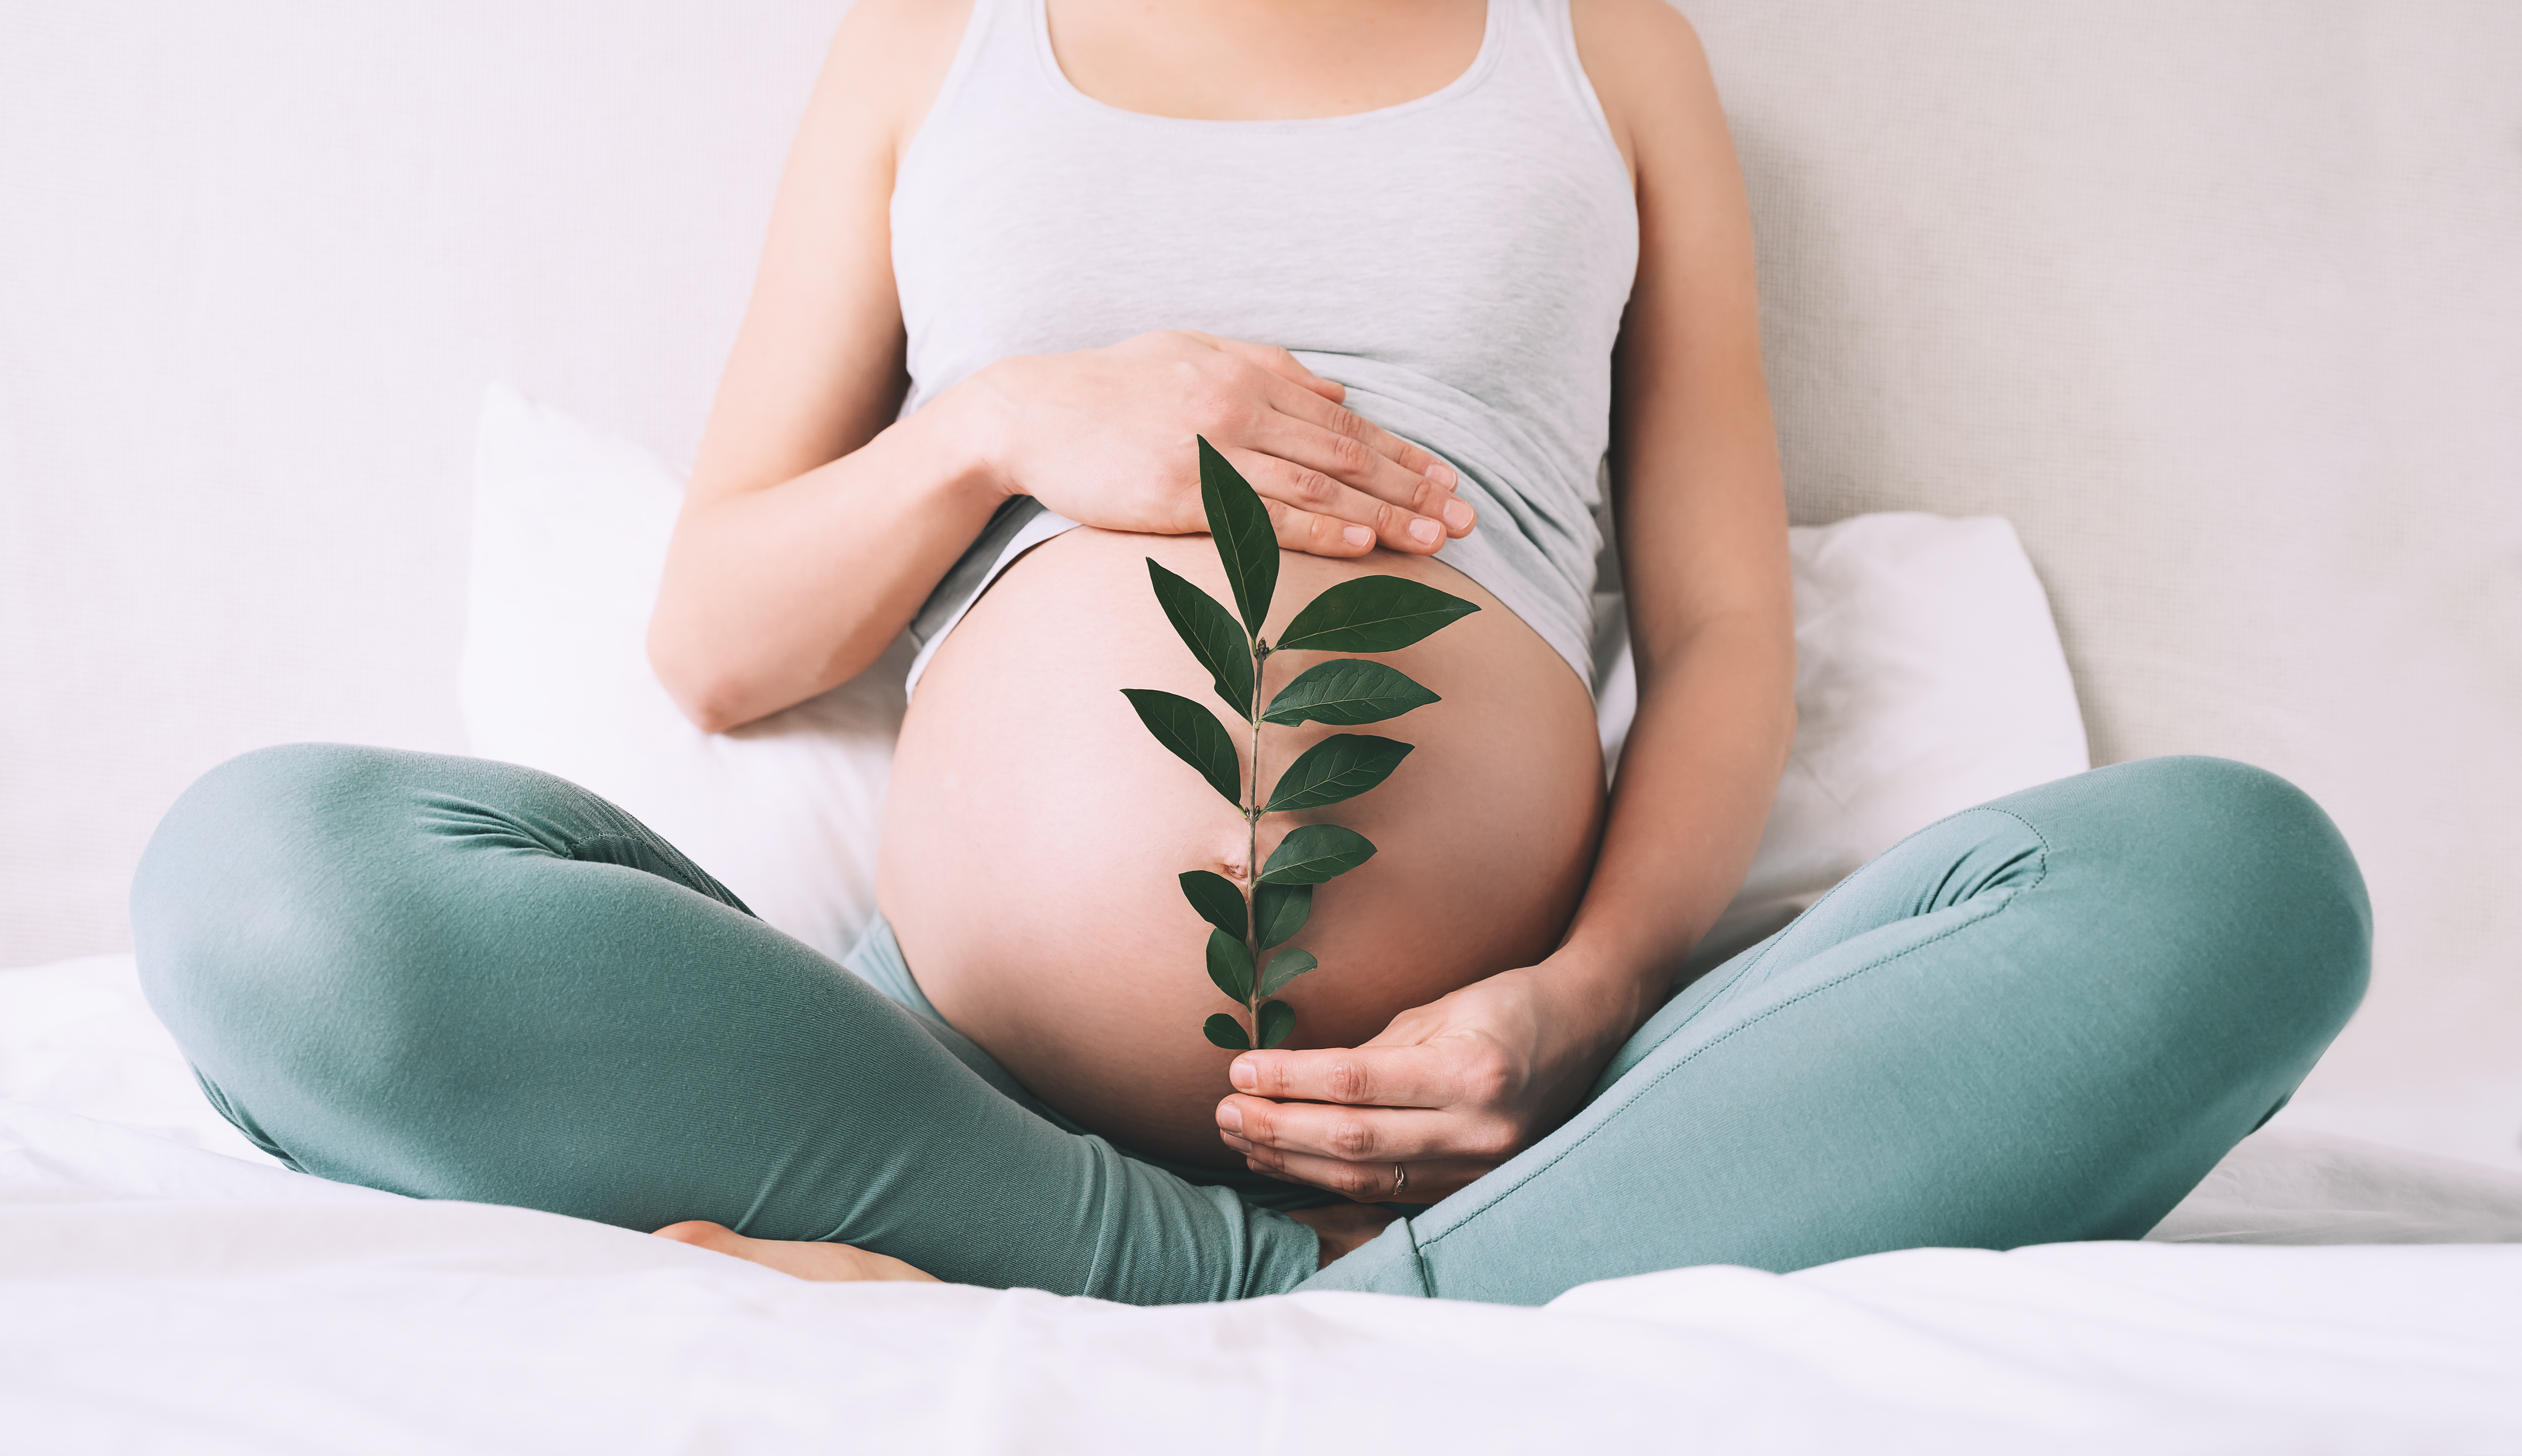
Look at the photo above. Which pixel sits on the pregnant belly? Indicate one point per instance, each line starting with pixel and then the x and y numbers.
pixel 1033 832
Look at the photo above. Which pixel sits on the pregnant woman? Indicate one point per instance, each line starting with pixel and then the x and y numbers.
pixel 1417 268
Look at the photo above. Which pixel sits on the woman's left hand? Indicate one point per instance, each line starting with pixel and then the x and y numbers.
pixel 1446 1093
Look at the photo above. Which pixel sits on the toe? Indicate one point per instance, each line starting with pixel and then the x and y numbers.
pixel 703 1234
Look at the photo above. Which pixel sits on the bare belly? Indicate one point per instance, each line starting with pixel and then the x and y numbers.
pixel 1033 832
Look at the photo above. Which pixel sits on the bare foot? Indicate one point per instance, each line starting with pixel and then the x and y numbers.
pixel 1343 1227
pixel 805 1260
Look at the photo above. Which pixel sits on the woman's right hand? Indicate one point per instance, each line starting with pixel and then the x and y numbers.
pixel 1103 436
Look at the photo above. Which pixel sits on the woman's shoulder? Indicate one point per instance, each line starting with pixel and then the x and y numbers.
pixel 887 62
pixel 1653 26
pixel 1646 64
pixel 915 24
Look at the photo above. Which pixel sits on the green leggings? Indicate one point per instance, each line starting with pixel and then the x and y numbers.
pixel 2041 1020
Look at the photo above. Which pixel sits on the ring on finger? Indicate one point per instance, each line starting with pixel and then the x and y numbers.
pixel 1400 1178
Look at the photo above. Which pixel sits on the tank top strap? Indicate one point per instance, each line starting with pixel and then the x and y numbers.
pixel 997 66
pixel 1525 45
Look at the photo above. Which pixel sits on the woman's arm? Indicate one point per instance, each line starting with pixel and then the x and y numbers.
pixel 1704 550
pixel 1702 528
pixel 815 525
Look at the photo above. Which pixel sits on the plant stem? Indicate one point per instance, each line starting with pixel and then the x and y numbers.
pixel 1252 851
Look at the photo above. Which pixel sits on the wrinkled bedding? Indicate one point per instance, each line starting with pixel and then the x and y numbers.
pixel 164 1287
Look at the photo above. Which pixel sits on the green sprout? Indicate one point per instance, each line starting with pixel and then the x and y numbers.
pixel 1365 614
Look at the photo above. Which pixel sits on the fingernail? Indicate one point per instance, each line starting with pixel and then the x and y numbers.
pixel 1239 1145
pixel 1457 515
pixel 1241 1074
pixel 1444 475
pixel 1229 1116
pixel 1425 531
pixel 1357 535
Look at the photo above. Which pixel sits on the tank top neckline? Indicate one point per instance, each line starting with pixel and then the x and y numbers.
pixel 1482 63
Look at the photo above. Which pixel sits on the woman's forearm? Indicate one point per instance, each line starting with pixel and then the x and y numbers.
pixel 773 595
pixel 1715 720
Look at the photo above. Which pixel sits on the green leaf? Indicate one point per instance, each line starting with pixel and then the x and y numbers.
pixel 1230 965
pixel 1372 615
pixel 1225 1031
pixel 1346 694
pixel 1315 853
pixel 1282 910
pixel 1208 630
pixel 1216 900
pixel 1240 525
pixel 1283 968
pixel 1341 766
pixel 1276 1021
pixel 1192 734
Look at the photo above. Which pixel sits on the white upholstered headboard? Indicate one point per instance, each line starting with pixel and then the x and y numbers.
pixel 2221 303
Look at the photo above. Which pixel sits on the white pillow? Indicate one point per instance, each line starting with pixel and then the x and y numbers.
pixel 1929 680
pixel 568 536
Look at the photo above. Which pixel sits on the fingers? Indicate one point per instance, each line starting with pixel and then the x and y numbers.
pixel 1357 1152
pixel 1416 507
pixel 1316 512
pixel 1259 1128
pixel 1419 1075
pixel 1334 474
pixel 1340 1117
pixel 1311 511
pixel 1278 361
pixel 1308 452
pixel 1430 1181
pixel 1413 462
pixel 1315 532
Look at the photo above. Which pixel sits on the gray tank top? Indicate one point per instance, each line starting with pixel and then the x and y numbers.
pixel 1459 261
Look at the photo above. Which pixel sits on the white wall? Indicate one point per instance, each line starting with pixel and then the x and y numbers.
pixel 2221 303
pixel 256 262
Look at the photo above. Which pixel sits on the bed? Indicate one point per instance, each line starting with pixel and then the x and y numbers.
pixel 166 1287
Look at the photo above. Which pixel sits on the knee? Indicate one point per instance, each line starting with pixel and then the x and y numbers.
pixel 2256 855
pixel 276 777
pixel 287 776
pixel 227 889
pixel 2266 831
pixel 243 823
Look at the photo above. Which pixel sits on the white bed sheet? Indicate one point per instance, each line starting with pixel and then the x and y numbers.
pixel 161 1296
